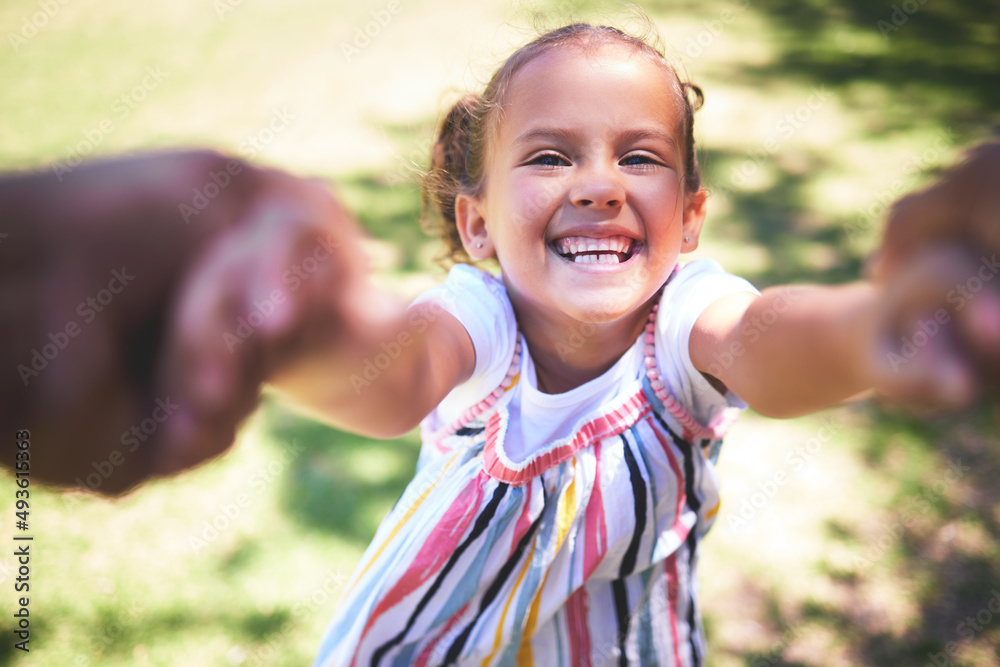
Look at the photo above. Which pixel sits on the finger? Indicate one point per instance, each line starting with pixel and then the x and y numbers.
pixel 932 376
pixel 927 354
pixel 916 223
pixel 205 308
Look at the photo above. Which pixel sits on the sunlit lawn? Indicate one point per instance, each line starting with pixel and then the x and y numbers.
pixel 843 539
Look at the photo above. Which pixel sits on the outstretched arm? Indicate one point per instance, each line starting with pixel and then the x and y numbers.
pixel 145 301
pixel 925 331
pixel 380 379
pixel 792 350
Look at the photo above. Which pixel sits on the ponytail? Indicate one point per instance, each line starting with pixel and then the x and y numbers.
pixel 449 175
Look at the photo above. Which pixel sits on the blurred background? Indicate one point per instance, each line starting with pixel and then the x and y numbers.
pixel 859 536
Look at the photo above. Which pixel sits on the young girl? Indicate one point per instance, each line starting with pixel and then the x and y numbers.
pixel 572 408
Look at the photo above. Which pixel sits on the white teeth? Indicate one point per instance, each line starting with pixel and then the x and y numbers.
pixel 608 258
pixel 579 244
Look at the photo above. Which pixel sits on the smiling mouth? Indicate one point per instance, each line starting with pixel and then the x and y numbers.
pixel 584 250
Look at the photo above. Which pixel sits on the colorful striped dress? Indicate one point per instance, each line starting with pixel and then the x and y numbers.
pixel 582 554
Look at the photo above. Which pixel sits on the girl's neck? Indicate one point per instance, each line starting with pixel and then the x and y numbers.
pixel 566 357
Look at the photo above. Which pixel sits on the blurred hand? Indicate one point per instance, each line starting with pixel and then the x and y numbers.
pixel 938 267
pixel 144 301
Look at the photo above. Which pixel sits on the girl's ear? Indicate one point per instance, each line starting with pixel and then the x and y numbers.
pixel 471 224
pixel 694 216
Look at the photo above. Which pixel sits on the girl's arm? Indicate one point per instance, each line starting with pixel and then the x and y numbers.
pixel 382 377
pixel 792 350
pixel 925 331
pixel 916 339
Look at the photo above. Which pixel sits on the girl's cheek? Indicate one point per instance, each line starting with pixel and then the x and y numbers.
pixel 538 197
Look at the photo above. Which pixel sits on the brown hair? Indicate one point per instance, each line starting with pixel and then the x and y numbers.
pixel 464 136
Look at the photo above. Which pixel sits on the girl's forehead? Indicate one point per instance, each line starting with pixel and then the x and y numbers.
pixel 611 82
pixel 608 59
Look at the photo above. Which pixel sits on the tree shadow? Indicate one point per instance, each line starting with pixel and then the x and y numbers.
pixel 340 482
pixel 940 59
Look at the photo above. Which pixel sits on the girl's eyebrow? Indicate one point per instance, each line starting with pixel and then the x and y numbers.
pixel 560 135
pixel 641 134
pixel 546 134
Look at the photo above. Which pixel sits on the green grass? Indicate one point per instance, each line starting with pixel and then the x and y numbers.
pixel 827 572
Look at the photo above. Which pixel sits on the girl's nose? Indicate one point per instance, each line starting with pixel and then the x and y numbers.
pixel 598 187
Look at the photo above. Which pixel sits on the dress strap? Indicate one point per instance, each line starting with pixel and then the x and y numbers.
pixel 510 379
pixel 720 422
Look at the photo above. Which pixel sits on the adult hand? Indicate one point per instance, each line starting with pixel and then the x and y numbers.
pixel 144 300
pixel 938 264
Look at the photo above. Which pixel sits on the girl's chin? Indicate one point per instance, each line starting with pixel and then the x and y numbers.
pixel 613 308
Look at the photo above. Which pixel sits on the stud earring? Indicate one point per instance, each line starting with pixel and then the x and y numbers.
pixel 479 245
pixel 687 239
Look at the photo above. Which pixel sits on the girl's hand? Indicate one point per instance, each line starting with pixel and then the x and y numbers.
pixel 939 273
pixel 144 301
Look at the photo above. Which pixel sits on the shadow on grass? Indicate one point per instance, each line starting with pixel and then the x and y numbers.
pixel 940 537
pixel 112 636
pixel 390 210
pixel 937 57
pixel 922 582
pixel 341 482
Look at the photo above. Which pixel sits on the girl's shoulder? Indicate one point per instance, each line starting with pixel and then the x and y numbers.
pixel 466 284
pixel 479 301
pixel 694 286
pixel 690 290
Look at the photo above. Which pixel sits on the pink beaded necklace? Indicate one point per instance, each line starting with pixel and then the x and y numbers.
pixel 715 429
pixel 720 422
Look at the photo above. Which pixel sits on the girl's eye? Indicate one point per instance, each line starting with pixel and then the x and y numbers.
pixel 639 159
pixel 549 160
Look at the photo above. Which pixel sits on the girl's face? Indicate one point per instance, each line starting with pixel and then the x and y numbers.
pixel 583 203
